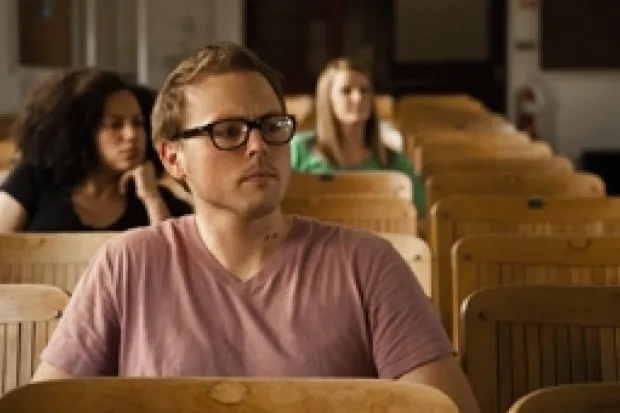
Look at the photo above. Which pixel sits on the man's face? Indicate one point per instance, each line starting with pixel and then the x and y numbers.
pixel 249 181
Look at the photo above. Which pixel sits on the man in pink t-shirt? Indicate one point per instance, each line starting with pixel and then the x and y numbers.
pixel 240 289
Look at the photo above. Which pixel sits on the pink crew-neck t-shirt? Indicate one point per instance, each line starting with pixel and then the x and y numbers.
pixel 333 302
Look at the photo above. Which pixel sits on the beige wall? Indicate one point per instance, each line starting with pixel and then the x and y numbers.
pixel 174 27
pixel 583 109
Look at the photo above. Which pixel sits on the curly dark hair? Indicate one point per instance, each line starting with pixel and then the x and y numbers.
pixel 55 130
pixel 146 99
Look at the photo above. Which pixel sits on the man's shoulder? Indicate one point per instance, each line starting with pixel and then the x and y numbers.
pixel 346 253
pixel 154 240
pixel 341 238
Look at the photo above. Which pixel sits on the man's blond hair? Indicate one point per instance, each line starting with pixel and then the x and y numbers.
pixel 216 58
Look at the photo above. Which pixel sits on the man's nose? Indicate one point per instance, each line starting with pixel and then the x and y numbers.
pixel 256 143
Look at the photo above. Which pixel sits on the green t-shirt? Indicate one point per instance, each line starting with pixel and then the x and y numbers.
pixel 303 159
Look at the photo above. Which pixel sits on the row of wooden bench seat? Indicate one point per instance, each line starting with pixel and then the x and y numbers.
pixel 219 395
pixel 515 340
pixel 525 268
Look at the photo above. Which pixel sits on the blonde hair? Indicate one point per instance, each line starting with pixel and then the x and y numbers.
pixel 329 139
pixel 216 58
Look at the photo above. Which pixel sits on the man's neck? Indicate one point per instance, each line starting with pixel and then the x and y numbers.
pixel 242 246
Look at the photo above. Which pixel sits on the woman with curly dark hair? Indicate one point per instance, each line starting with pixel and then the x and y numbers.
pixel 86 163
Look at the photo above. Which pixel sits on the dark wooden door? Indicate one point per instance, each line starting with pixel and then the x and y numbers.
pixel 449 46
pixel 298 37
pixel 278 31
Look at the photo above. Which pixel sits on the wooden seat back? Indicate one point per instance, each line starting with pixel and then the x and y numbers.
pixel 555 164
pixel 579 184
pixel 490 260
pixel 571 398
pixel 199 395
pixel 28 316
pixel 518 339
pixel 368 214
pixel 457 216
pixel 48 258
pixel 382 184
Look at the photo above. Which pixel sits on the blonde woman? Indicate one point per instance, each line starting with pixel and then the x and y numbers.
pixel 347 133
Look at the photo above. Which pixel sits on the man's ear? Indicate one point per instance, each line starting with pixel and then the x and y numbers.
pixel 172 157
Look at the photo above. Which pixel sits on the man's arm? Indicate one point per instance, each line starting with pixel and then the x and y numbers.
pixel 446 375
pixel 86 341
pixel 46 372
pixel 409 342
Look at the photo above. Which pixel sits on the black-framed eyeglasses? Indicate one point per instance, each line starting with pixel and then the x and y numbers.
pixel 232 133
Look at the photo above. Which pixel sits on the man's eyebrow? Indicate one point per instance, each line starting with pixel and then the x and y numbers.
pixel 225 117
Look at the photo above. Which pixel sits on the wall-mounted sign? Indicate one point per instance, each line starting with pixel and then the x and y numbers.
pixel 529 4
pixel 47 9
pixel 525 45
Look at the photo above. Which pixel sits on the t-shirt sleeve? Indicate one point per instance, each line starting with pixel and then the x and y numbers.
pixel 405 328
pixel 24 184
pixel 176 206
pixel 402 164
pixel 86 340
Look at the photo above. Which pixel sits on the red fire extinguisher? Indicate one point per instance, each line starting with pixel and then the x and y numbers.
pixel 529 106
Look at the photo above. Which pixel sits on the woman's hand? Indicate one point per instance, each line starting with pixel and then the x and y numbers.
pixel 147 190
pixel 145 180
